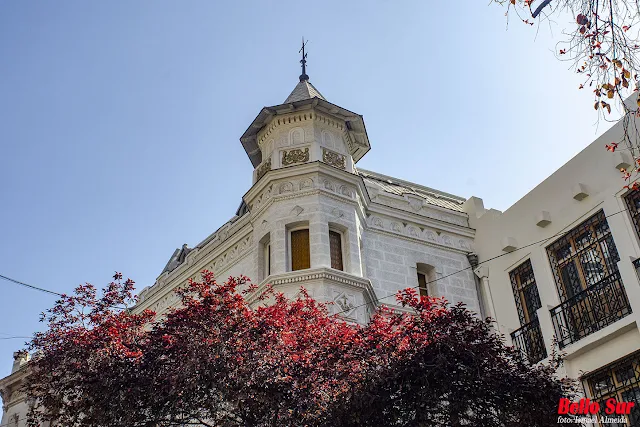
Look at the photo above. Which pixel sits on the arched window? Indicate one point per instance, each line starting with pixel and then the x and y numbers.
pixel 426 279
pixel 265 256
pixel 335 246
pixel 300 253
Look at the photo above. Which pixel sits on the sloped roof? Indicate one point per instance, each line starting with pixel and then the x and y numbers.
pixel 303 90
pixel 400 188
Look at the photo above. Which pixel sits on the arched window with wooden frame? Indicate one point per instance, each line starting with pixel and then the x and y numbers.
pixel 299 249
pixel 426 279
pixel 335 249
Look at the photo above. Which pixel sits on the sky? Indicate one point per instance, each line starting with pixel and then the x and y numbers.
pixel 120 121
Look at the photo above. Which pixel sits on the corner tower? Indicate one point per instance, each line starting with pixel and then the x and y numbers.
pixel 305 128
pixel 306 202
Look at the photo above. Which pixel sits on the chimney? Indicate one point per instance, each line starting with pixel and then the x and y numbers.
pixel 20 358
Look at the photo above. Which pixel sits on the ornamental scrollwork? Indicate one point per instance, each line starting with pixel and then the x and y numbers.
pixel 295 156
pixel 263 168
pixel 334 159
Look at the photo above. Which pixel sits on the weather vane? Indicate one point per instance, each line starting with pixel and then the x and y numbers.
pixel 303 61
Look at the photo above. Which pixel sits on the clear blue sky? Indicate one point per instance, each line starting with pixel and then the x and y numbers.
pixel 119 120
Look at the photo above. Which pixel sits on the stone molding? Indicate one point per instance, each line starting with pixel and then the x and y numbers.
pixel 306 115
pixel 408 224
pixel 299 187
pixel 410 203
pixel 285 120
pixel 10 388
pixel 418 233
pixel 220 240
pixel 323 273
pixel 223 262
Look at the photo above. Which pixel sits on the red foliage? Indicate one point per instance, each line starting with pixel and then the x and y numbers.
pixel 215 361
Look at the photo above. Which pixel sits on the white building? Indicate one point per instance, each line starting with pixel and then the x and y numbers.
pixel 559 262
pixel 312 219
pixel 570 252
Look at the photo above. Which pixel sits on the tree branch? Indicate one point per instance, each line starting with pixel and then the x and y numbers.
pixel 539 8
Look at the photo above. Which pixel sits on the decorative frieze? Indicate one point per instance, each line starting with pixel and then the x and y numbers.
pixel 415 231
pixel 334 159
pixel 296 155
pixel 419 207
pixel 263 168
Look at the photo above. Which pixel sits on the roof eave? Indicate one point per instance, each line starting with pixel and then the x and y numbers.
pixel 358 129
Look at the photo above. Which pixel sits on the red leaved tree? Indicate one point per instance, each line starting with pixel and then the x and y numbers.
pixel 215 361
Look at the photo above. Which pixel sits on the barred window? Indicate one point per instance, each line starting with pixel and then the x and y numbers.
pixel 583 257
pixel 632 200
pixel 300 254
pixel 335 247
pixel 525 292
pixel 619 380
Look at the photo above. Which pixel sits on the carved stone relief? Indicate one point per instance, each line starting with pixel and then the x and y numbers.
pixel 306 183
pixel 334 159
pixel 417 232
pixel 346 191
pixel 296 155
pixel 344 303
pixel 285 187
pixel 329 185
pixel 263 168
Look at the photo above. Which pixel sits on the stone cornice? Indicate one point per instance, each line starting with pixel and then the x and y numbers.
pixel 221 256
pixel 295 171
pixel 434 244
pixel 381 209
pixel 322 273
pixel 318 178
pixel 9 387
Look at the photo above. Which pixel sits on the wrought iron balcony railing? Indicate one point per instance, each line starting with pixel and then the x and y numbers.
pixel 590 310
pixel 528 339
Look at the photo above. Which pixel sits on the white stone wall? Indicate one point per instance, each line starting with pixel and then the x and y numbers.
pixel 391 265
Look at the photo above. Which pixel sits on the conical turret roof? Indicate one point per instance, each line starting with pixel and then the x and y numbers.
pixel 303 90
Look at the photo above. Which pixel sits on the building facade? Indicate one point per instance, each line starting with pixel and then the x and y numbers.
pixel 312 219
pixel 560 264
pixel 566 269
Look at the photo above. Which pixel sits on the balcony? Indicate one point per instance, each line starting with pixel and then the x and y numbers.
pixel 591 310
pixel 529 340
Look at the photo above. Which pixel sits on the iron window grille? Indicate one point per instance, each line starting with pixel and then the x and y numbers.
pixel 584 265
pixel 525 291
pixel 619 380
pixel 632 200
pixel 528 338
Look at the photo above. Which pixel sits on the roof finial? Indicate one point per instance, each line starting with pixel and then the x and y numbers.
pixel 303 61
